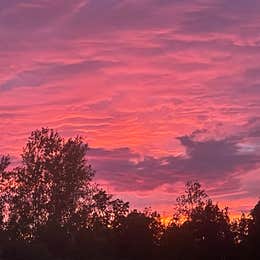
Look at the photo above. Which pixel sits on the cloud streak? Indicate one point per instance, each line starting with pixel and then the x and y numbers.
pixel 142 75
pixel 207 160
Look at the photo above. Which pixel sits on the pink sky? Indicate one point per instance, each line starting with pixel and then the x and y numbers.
pixel 164 91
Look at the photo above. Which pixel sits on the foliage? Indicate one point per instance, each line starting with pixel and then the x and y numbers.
pixel 193 197
pixel 50 208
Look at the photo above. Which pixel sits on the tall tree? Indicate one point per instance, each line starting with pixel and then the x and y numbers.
pixel 53 187
pixel 194 196
pixel 5 188
pixel 200 230
pixel 211 231
pixel 253 242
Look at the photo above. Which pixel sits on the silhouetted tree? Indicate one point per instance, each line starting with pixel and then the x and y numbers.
pixel 4 187
pixel 239 228
pixel 177 242
pixel 139 235
pixel 211 230
pixel 253 241
pixel 53 197
pixel 51 182
pixel 51 209
pixel 4 163
pixel 98 235
pixel 202 229
pixel 5 192
pixel 193 197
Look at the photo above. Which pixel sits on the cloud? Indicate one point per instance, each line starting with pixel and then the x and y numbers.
pixel 47 73
pixel 210 161
pixel 137 74
pixel 32 16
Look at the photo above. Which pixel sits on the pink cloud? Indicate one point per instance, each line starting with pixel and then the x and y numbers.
pixel 136 74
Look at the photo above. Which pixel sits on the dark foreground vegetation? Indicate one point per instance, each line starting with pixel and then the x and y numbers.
pixel 51 209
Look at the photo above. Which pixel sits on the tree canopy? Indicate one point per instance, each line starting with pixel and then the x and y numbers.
pixel 51 208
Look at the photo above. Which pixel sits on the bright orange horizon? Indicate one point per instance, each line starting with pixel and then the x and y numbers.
pixel 163 91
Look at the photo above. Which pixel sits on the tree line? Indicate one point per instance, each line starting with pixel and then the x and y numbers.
pixel 50 208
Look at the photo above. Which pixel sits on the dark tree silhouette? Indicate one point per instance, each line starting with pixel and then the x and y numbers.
pixel 51 183
pixel 5 188
pixel 50 208
pixel 193 197
pixel 239 227
pixel 211 231
pixel 202 229
pixel 139 235
pixel 177 242
pixel 5 184
pixel 53 197
pixel 4 163
pixel 253 240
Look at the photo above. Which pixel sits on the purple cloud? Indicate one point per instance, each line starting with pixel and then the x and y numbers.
pixel 206 160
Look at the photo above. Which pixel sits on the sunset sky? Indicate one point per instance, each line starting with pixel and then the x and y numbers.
pixel 164 91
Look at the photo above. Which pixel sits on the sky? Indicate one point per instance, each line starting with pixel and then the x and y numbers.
pixel 163 91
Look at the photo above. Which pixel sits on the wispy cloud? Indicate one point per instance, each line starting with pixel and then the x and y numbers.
pixel 142 75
